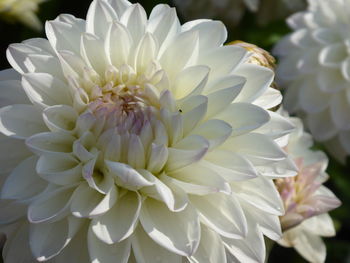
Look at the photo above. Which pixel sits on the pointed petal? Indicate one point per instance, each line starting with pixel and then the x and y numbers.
pixel 126 212
pixel 223 213
pixel 101 252
pixel 178 232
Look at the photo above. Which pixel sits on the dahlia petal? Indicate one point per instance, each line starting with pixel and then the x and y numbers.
pixel 28 59
pixel 18 242
pixel 215 131
pixel 126 175
pixel 189 150
pixel 23 183
pixel 50 142
pixel 333 55
pixel 269 99
pixel 41 43
pixel 60 169
pixel 17 54
pixel 311 99
pixel 65 36
pixel 91 51
pixel 225 82
pixel 136 153
pixel 146 250
pixel 320 225
pixel 243 117
pixel 211 248
pixel 135 19
pixel 162 190
pixel 283 46
pixel 339 109
pixel 180 196
pixel 51 206
pixel 12 211
pixel 260 193
pixel 190 81
pixel 71 20
pixel 212 34
pixel 168 105
pixel 331 80
pixel 345 69
pixel 60 118
pixel 321 125
pixel 117 44
pixel 222 60
pixel 163 24
pixel 21 121
pixel 189 188
pixel 87 202
pixel 325 36
pixel 99 15
pixel 258 81
pixel 119 6
pixel 126 212
pixel 46 90
pixel 269 224
pixel 159 223
pixel 201 175
pixel 183 50
pixel 297 20
pixel 146 52
pixel 101 252
pixel 78 243
pixel 160 134
pixel 222 213
pixel 288 70
pixel 250 249
pixel 72 65
pixel 313 249
pixel 303 38
pixel 12 93
pixel 157 158
pixel 255 145
pixel 220 100
pixel 283 168
pixel 231 166
pixel 9 160
pixel 48 240
pixel 193 111
pixel 113 148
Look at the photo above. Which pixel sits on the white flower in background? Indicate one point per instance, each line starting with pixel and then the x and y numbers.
pixel 21 10
pixel 306 200
pixel 138 140
pixel 315 69
pixel 232 11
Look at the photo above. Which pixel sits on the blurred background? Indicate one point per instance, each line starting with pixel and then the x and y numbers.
pixel 250 28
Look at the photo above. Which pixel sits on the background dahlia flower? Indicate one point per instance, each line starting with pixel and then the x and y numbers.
pixel 136 139
pixel 232 11
pixel 306 200
pixel 23 11
pixel 315 69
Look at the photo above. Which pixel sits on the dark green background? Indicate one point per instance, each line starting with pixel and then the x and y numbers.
pixel 339 246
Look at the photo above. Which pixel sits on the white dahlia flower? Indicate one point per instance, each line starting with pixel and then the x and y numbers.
pixel 306 200
pixel 21 10
pixel 315 69
pixel 232 11
pixel 135 139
